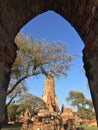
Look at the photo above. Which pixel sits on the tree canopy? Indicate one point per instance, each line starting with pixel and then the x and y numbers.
pixel 38 57
pixel 84 106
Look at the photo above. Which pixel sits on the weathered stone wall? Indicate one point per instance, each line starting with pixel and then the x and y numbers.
pixel 82 14
pixel 43 122
pixel 67 114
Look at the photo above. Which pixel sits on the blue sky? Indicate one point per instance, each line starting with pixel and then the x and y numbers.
pixel 53 27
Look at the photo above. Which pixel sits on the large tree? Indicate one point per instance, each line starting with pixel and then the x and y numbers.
pixel 38 57
pixel 83 106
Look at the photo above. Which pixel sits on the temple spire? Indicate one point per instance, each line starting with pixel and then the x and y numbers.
pixel 49 96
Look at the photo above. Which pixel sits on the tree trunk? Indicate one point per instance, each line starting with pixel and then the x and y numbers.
pixel 4 81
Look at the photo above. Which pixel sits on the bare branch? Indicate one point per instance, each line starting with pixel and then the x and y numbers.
pixel 10 101
pixel 20 80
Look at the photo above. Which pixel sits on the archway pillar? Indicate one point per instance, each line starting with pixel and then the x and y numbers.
pixel 91 67
pixel 7 57
pixel 4 81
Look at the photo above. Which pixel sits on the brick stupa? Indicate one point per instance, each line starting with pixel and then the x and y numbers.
pixel 49 96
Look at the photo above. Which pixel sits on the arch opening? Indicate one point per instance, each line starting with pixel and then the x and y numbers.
pixel 84 21
pixel 46 26
pixel 70 35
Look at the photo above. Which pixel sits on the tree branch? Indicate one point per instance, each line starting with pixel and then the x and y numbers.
pixel 43 71
pixel 9 102
pixel 26 76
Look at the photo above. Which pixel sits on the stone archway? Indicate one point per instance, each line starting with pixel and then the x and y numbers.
pixel 83 16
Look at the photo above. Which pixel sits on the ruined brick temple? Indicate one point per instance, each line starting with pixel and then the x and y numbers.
pixel 50 117
pixel 46 118
pixel 81 14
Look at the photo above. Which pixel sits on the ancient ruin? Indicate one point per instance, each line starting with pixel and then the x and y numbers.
pixel 46 118
pixel 49 96
pixel 81 14
pixel 50 117
pixel 67 114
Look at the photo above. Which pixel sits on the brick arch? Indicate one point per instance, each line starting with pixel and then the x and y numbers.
pixel 83 16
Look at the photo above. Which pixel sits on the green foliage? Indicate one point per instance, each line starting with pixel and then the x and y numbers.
pixel 18 127
pixel 87 127
pixel 76 98
pixel 84 106
pixel 12 111
pixel 90 128
pixel 12 127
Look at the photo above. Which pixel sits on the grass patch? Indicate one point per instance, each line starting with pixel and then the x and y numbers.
pixel 12 127
pixel 90 128
pixel 18 127
pixel 87 128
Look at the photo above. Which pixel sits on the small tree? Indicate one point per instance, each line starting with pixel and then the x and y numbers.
pixel 31 103
pixel 83 106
